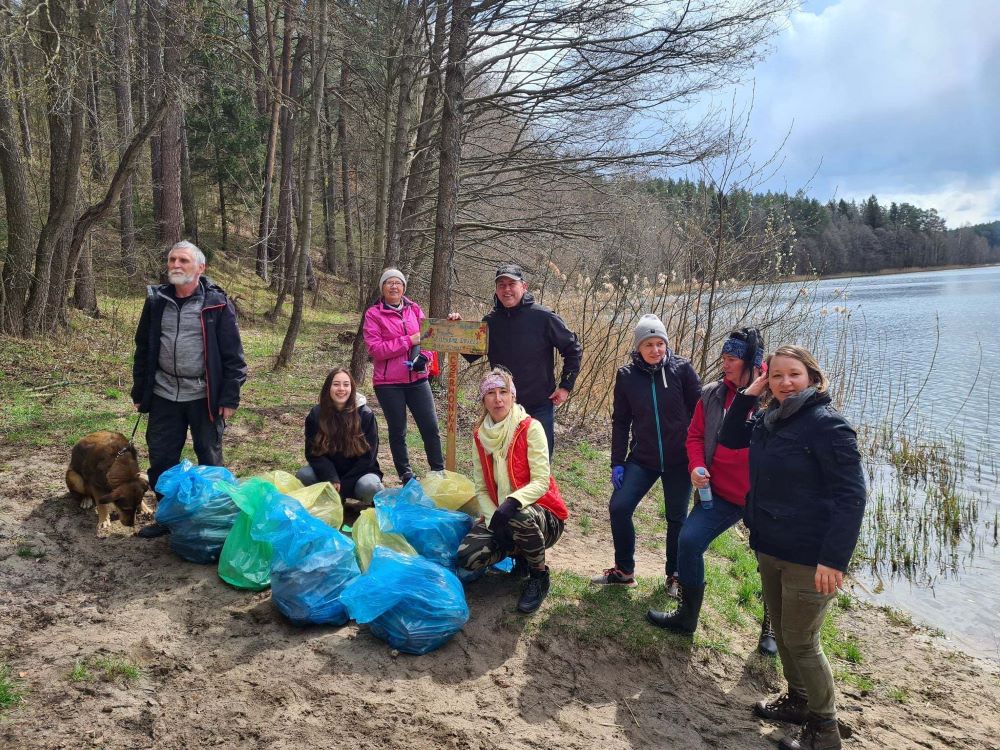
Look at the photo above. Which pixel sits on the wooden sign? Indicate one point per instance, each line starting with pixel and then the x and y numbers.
pixel 462 336
pixel 453 337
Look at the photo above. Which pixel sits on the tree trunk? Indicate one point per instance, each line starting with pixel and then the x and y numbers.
pixel 98 165
pixel 67 92
pixel 170 228
pixel 126 125
pixel 382 183
pixel 279 78
pixel 353 272
pixel 450 160
pixel 220 181
pixel 305 225
pixel 188 201
pixel 16 271
pixel 329 171
pixel 22 101
pixel 260 83
pixel 420 167
pixel 153 91
pixel 405 75
pixel 285 247
pixel 84 288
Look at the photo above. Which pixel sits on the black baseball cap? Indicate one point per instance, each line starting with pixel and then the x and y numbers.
pixel 510 271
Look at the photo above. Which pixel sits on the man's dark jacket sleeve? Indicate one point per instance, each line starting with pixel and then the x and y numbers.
pixel 140 365
pixel 566 342
pixel 234 366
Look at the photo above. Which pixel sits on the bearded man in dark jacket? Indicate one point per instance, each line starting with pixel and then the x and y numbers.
pixel 189 365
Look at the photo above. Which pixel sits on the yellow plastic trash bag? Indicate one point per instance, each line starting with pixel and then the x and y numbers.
pixel 448 489
pixel 321 500
pixel 367 535
pixel 285 482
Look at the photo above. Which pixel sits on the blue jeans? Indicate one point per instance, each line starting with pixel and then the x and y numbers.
pixel 546 414
pixel 637 482
pixel 700 528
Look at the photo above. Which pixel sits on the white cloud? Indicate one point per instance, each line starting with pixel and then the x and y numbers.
pixel 893 97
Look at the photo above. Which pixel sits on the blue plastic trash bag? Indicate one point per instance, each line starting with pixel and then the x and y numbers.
pixel 311 563
pixel 468 576
pixel 411 603
pixel 434 532
pixel 199 516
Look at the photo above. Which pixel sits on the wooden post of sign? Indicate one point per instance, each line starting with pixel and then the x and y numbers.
pixel 453 337
pixel 449 460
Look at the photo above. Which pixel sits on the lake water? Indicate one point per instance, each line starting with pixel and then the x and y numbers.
pixel 927 349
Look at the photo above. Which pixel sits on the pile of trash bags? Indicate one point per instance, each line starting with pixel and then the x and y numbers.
pixel 396 572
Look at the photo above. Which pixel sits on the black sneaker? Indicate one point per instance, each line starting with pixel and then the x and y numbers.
pixel 153 530
pixel 535 591
pixel 817 733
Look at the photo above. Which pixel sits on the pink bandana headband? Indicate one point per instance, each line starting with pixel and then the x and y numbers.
pixel 495 380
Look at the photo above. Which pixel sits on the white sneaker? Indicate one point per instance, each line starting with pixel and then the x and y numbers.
pixel 439 474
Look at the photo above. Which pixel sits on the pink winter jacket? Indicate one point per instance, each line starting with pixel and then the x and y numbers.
pixel 387 335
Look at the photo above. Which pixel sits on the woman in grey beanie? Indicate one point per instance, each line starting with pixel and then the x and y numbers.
pixel 399 372
pixel 655 396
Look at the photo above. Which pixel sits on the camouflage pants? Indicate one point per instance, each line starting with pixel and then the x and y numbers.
pixel 531 531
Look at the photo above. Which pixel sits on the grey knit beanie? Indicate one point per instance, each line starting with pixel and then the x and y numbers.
pixel 391 273
pixel 649 327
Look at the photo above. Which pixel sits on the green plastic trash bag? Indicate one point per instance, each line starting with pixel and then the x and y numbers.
pixel 448 489
pixel 244 562
pixel 367 536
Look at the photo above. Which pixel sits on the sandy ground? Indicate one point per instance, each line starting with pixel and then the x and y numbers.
pixel 221 668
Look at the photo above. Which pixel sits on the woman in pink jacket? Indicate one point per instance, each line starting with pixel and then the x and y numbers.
pixel 392 334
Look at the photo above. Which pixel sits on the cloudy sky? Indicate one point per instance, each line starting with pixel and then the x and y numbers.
pixel 900 98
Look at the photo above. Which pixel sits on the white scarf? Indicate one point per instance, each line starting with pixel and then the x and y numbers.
pixel 496 437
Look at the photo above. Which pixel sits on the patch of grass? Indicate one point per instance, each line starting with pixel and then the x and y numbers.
pixel 26 550
pixel 588 452
pixel 80 672
pixel 595 615
pixel 899 694
pixel 862 682
pixel 844 601
pixel 117 667
pixel 10 693
pixel 586 525
pixel 898 617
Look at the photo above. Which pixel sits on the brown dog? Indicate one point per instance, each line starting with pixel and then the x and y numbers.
pixel 104 471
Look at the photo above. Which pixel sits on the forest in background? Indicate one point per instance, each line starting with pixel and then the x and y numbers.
pixel 442 136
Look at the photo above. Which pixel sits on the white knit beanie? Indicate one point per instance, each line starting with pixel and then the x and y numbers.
pixel 391 273
pixel 649 327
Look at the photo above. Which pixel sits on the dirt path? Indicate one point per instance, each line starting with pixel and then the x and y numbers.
pixel 220 668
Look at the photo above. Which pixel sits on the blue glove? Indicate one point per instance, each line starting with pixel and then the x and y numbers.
pixel 617 476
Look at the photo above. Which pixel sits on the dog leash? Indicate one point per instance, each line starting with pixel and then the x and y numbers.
pixel 131 437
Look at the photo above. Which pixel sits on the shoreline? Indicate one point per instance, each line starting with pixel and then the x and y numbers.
pixel 883 272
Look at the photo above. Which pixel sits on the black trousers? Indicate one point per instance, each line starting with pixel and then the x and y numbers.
pixel 169 422
pixel 417 397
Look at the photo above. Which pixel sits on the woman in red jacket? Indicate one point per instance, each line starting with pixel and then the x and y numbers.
pixel 726 472
pixel 523 512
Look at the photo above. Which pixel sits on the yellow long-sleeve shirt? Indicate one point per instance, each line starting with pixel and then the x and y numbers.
pixel 538 462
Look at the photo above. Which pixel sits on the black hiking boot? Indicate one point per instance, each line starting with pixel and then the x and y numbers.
pixel 684 619
pixel 766 644
pixel 535 591
pixel 790 707
pixel 816 734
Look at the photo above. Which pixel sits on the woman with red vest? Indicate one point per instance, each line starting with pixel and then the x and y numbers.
pixel 523 512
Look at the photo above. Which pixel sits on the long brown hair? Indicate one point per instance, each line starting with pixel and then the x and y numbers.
pixel 339 428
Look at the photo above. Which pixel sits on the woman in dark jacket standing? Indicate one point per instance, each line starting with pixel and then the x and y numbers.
pixel 342 440
pixel 655 396
pixel 805 507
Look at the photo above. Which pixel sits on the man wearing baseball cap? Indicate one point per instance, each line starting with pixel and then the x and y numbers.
pixel 524 336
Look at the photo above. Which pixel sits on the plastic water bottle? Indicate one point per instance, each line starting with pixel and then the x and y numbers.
pixel 704 493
